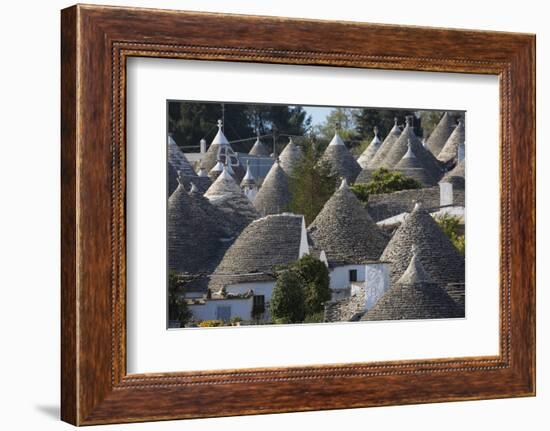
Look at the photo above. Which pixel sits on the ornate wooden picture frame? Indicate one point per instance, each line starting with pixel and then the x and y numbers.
pixel 96 41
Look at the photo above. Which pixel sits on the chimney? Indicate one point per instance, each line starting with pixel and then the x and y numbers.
pixel 203 146
pixel 445 194
pixel 377 282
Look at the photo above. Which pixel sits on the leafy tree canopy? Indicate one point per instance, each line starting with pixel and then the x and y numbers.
pixel 312 183
pixel 384 181
pixel 452 228
pixel 287 303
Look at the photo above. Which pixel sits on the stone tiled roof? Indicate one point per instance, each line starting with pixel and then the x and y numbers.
pixel 365 175
pixel 369 153
pixel 228 197
pixel 290 157
pixel 387 144
pixel 178 159
pixel 259 149
pixel 264 244
pixel 413 167
pixel 400 147
pixel 274 195
pixel 450 150
pixel 387 205
pixel 248 179
pixel 440 134
pixel 340 160
pixel 211 157
pixel 172 178
pixel 345 231
pixel 438 256
pixel 194 244
pixel 414 296
pixel 457 292
pixel 347 309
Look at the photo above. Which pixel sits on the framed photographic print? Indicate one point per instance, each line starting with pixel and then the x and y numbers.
pixel 327 214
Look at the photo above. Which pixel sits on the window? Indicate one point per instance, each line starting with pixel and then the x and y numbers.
pixel 223 312
pixel 258 305
pixel 352 275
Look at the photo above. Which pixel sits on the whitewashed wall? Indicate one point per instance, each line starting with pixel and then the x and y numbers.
pixel 339 276
pixel 241 307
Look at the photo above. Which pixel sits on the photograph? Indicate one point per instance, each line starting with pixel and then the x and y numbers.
pixel 298 214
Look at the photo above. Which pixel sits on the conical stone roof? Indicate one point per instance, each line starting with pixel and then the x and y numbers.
pixel 440 134
pixel 412 167
pixel 450 150
pixel 401 145
pixel 385 147
pixel 274 196
pixel 291 157
pixel 414 296
pixel 438 256
pixel 259 149
pixel 369 153
pixel 264 244
pixel 248 179
pixel 345 231
pixel 340 160
pixel 194 245
pixel 226 194
pixel 216 152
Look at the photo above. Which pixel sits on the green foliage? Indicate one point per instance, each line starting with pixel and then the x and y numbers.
pixel 384 181
pixel 451 226
pixel 211 323
pixel 287 301
pixel 311 185
pixel 316 283
pixel 365 120
pixel 361 191
pixel 315 318
pixel 177 307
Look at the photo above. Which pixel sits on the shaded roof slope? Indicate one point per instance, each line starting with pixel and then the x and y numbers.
pixel 194 244
pixel 274 195
pixel 440 134
pixel 290 157
pixel 178 159
pixel 438 256
pixel 340 160
pixel 172 179
pixel 414 296
pixel 366 156
pixel 450 150
pixel 377 160
pixel 345 231
pixel 412 167
pixel 401 145
pixel 226 194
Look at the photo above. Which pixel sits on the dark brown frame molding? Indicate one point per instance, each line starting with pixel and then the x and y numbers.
pixel 95 43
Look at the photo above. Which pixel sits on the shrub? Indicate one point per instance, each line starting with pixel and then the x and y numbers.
pixel 287 301
pixel 384 181
pixel 451 226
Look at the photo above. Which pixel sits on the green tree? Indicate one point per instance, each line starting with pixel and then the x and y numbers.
pixel 452 228
pixel 317 283
pixel 177 307
pixel 312 184
pixel 366 118
pixel 287 303
pixel 384 181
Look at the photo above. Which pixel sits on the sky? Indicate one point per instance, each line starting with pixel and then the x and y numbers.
pixel 318 113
